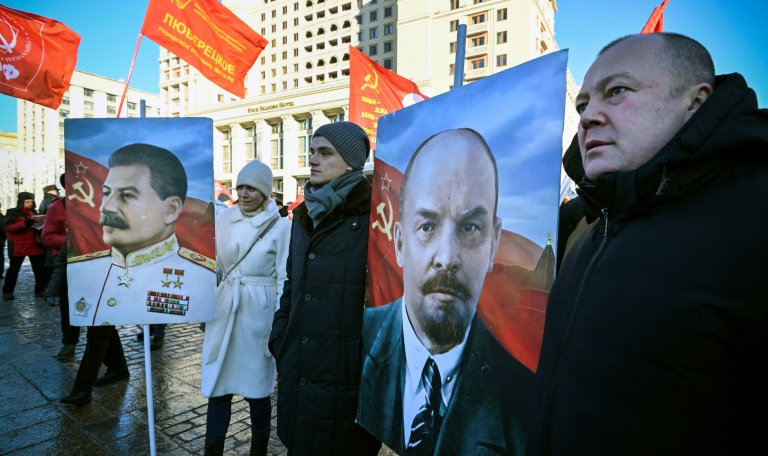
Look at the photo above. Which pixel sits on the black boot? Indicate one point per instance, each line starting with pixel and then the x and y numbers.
pixel 214 448
pixel 259 445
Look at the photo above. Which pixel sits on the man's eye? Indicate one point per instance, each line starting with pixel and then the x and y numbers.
pixel 469 228
pixel 427 228
pixel 126 196
pixel 616 91
pixel 580 108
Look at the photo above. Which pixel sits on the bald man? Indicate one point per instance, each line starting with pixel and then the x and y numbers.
pixel 435 381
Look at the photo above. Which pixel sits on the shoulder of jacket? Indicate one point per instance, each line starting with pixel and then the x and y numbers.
pixel 89 256
pixel 197 258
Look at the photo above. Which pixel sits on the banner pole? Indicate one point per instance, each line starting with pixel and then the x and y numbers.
pixel 130 72
pixel 148 380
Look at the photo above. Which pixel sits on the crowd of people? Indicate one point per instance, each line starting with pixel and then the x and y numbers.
pixel 654 326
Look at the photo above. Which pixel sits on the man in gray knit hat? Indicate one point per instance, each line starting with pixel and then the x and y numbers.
pixel 316 334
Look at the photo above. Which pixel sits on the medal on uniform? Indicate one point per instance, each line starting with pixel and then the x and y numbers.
pixel 178 283
pixel 124 279
pixel 81 307
pixel 166 281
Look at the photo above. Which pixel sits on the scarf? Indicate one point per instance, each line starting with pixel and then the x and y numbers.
pixel 321 201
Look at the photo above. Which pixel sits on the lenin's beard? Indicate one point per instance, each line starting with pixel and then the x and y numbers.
pixel 446 324
pixel 113 221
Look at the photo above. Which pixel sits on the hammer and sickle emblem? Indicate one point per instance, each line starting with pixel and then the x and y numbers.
pixel 83 197
pixel 375 84
pixel 385 227
pixel 181 4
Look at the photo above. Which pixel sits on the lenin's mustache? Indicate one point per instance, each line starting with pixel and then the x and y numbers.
pixel 445 282
pixel 113 221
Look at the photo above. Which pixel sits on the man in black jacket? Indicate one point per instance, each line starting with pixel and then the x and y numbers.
pixel 656 324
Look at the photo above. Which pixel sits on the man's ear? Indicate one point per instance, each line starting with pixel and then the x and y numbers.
pixel 697 95
pixel 398 236
pixel 173 206
pixel 495 243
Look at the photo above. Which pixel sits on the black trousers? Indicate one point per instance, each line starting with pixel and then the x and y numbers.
pixel 14 266
pixel 103 346
pixel 69 334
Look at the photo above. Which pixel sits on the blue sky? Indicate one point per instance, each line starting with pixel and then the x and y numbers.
pixel 733 31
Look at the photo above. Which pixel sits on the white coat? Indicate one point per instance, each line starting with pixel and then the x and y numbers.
pixel 236 359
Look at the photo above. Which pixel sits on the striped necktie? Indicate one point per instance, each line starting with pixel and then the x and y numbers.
pixel 426 424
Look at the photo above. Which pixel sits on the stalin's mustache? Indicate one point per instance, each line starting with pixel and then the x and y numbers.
pixel 113 221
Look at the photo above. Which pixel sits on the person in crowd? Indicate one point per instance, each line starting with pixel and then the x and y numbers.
pixel 2 243
pixel 20 225
pixel 656 323
pixel 53 237
pixel 251 252
pixel 103 346
pixel 143 196
pixel 50 194
pixel 435 380
pixel 316 335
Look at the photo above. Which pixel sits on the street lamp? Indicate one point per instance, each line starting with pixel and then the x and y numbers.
pixel 18 181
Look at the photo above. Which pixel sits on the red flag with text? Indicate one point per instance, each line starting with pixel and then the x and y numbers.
pixel 37 57
pixel 208 36
pixel 84 178
pixel 655 23
pixel 375 91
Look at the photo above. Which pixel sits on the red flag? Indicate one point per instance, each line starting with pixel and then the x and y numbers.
pixel 37 57
pixel 208 36
pixel 375 91
pixel 220 189
pixel 655 23
pixel 84 178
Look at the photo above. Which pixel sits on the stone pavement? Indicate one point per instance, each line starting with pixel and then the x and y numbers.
pixel 33 422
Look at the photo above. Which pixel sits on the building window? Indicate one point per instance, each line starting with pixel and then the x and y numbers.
pixel 88 92
pixel 501 37
pixel 359 19
pixel 226 158
pixel 64 114
pixel 359 36
pixel 111 110
pixel 285 55
pixel 296 52
pixel 276 157
pixel 388 64
pixel 388 11
pixel 111 98
pixel 501 15
pixel 454 4
pixel 285 40
pixel 250 151
pixel 65 101
pixel 303 149
pixel 285 85
pixel 274 14
pixel 478 41
pixel 388 29
pixel 388 46
pixel 131 105
pixel 477 64
pixel 337 118
pixel 477 19
pixel 373 16
pixel 263 16
pixel 452 48
pixel 263 60
pixel 373 33
pixel 501 60
pixel 274 29
pixel 452 69
pixel 454 25
pixel 296 22
pixel 373 49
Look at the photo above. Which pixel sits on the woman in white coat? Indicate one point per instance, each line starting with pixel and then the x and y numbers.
pixel 251 252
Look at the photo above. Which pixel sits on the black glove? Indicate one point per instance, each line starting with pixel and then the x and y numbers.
pixel 29 222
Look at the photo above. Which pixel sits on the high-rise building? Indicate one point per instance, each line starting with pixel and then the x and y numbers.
pixel 301 79
pixel 41 129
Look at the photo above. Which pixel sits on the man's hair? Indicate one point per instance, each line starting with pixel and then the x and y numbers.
pixel 166 173
pixel 687 60
pixel 485 149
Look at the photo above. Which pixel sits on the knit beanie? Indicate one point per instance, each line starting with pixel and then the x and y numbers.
pixel 257 175
pixel 350 141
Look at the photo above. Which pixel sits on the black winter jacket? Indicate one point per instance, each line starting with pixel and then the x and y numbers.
pixel 657 324
pixel 316 334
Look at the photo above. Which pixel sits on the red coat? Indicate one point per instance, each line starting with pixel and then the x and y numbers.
pixel 55 227
pixel 21 238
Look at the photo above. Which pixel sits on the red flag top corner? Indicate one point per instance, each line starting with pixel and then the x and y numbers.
pixel 375 91
pixel 208 36
pixel 37 57
pixel 655 23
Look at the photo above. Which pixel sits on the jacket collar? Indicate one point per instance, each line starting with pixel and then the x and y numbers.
pixel 357 202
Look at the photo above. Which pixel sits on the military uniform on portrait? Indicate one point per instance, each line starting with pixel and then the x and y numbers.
pixel 162 283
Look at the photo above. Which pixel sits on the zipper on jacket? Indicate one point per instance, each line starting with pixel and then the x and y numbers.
pixel 567 331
